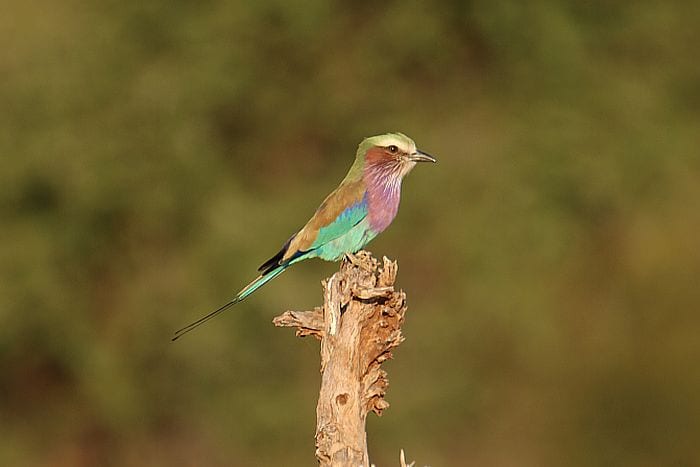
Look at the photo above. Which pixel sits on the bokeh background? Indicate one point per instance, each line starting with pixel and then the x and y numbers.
pixel 155 153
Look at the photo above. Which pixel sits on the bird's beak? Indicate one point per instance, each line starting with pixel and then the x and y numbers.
pixel 420 156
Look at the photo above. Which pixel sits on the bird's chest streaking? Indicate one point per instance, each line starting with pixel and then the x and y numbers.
pixel 382 203
pixel 383 195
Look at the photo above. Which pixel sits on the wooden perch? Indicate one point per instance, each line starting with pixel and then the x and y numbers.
pixel 358 325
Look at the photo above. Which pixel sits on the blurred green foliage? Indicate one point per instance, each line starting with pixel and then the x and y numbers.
pixel 154 153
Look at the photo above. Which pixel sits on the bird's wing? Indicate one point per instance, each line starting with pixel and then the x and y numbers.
pixel 344 208
pixel 345 216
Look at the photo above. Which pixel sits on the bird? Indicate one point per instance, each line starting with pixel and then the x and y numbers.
pixel 363 206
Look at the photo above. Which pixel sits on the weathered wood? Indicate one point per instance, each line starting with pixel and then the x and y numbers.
pixel 358 325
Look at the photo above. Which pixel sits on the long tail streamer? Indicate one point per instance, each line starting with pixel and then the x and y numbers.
pixel 247 290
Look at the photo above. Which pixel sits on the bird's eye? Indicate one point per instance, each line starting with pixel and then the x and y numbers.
pixel 393 149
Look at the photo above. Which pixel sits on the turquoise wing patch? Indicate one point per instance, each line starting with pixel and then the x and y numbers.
pixel 342 224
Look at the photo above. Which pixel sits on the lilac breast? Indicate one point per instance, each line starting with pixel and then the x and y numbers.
pixel 383 195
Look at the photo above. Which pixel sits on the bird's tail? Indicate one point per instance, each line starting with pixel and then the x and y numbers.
pixel 247 290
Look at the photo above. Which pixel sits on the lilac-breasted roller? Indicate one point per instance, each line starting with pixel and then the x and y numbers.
pixel 358 210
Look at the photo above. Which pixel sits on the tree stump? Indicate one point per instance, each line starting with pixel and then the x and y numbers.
pixel 358 326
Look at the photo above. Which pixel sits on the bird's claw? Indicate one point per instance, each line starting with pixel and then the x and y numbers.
pixel 355 261
pixel 352 259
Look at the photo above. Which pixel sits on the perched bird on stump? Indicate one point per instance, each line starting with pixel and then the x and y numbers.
pixel 358 210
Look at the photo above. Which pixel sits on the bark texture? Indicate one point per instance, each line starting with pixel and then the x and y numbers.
pixel 358 325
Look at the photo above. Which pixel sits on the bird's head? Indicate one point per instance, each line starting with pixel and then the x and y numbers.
pixel 394 152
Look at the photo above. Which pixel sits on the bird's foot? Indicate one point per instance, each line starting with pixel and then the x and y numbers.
pixel 355 261
pixel 349 257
